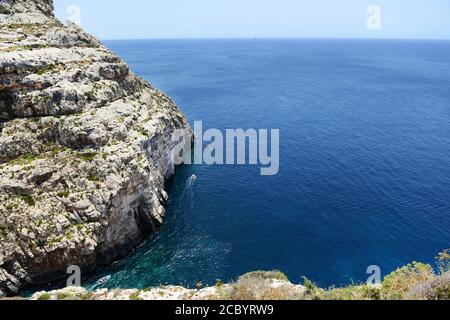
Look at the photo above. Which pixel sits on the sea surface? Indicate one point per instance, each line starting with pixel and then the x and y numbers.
pixel 364 160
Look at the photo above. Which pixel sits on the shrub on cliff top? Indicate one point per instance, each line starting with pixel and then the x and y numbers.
pixel 260 285
pixel 443 260
pixel 135 296
pixel 400 282
pixel 247 289
pixel 355 292
pixel 63 296
pixel 44 296
pixel 442 291
pixel 310 286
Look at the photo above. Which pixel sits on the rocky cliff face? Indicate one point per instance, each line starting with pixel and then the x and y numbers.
pixel 85 149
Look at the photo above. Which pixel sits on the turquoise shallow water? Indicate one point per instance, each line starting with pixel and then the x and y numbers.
pixel 365 154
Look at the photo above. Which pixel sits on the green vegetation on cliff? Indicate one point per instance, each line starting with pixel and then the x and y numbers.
pixel 415 281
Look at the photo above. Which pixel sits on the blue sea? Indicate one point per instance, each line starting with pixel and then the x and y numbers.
pixel 364 159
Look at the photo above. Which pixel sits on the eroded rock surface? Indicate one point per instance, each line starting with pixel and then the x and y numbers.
pixel 85 149
pixel 259 289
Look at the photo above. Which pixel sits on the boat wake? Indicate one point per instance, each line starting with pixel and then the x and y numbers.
pixel 191 181
pixel 101 282
pixel 188 192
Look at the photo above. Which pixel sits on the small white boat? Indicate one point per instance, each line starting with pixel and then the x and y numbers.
pixel 103 280
pixel 191 181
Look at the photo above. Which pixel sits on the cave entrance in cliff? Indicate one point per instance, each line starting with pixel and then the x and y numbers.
pixel 6 101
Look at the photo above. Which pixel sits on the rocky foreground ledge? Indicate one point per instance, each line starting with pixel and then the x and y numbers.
pixel 413 282
pixel 85 149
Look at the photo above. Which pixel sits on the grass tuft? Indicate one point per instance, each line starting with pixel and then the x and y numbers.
pixel 88 156
pixel 28 199
pixel 44 296
pixel 135 296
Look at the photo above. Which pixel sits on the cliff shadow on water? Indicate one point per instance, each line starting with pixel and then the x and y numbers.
pixel 149 260
pixel 157 260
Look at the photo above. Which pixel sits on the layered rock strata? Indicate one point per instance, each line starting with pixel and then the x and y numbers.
pixel 85 149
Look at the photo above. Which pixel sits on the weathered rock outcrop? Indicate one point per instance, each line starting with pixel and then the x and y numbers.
pixel 85 149
pixel 435 289
pixel 252 286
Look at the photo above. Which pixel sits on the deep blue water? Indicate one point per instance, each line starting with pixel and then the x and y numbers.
pixel 365 159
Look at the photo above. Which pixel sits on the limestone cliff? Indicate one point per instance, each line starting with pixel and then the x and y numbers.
pixel 84 149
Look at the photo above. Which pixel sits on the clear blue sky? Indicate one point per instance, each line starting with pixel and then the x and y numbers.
pixel 141 19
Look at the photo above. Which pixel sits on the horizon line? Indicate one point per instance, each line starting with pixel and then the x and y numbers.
pixel 273 38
